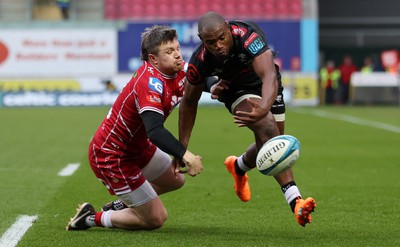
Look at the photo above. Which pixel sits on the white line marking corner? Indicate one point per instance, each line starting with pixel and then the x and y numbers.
pixel 15 233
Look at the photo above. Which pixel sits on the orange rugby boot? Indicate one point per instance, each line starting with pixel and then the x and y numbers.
pixel 241 185
pixel 303 210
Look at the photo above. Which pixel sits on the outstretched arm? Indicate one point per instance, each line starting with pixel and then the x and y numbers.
pixel 188 111
pixel 264 67
pixel 162 138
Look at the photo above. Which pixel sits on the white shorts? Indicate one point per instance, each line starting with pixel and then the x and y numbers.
pixel 155 168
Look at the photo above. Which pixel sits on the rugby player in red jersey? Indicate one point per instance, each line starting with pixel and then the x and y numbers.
pixel 236 52
pixel 130 152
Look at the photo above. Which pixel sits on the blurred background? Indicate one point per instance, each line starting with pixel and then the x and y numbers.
pixel 82 52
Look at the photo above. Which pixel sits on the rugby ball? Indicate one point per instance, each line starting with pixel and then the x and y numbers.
pixel 278 154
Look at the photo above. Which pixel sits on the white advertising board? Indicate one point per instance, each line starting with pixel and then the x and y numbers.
pixel 64 52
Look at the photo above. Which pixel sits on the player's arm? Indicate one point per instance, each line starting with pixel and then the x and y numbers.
pixel 162 138
pixel 215 86
pixel 264 67
pixel 188 110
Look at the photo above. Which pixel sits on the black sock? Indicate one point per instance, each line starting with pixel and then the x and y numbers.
pixel 284 188
pixel 293 204
pixel 239 171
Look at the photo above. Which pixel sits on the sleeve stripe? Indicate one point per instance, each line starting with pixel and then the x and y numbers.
pixel 149 108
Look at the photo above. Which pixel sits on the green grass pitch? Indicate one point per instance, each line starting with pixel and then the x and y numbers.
pixel 351 168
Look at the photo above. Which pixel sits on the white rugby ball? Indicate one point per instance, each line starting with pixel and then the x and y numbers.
pixel 278 154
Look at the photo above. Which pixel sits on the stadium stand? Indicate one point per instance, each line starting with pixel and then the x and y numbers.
pixel 192 9
pixel 15 10
pixel 149 10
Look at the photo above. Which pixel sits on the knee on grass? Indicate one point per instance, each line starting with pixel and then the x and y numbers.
pixel 155 221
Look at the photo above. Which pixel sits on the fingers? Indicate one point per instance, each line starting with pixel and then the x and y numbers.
pixel 243 122
pixel 178 165
pixel 243 119
pixel 214 96
pixel 224 86
pixel 193 165
pixel 181 171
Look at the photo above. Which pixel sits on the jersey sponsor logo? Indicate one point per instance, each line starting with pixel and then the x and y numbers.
pixel 238 31
pixel 181 83
pixel 151 70
pixel 193 75
pixel 154 98
pixel 254 43
pixel 279 98
pixel 156 85
pixel 243 58
pixel 174 101
pixel 217 72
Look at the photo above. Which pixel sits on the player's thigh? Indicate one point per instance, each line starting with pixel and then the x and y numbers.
pixel 139 196
pixel 145 204
pixel 241 104
pixel 265 128
pixel 157 166
pixel 161 171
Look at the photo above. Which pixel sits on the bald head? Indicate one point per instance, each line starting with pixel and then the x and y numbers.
pixel 209 22
pixel 215 34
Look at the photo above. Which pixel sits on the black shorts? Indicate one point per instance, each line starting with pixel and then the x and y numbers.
pixel 231 96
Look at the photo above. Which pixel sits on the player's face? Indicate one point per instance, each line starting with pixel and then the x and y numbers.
pixel 218 41
pixel 169 58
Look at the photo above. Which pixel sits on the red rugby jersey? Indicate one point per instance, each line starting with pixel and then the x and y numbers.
pixel 122 132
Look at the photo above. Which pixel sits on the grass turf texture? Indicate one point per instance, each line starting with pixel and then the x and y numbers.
pixel 351 170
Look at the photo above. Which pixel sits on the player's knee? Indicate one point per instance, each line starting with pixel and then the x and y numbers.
pixel 156 220
pixel 177 182
pixel 267 128
pixel 180 181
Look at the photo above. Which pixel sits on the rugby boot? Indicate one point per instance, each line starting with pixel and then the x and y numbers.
pixel 241 184
pixel 78 222
pixel 303 210
pixel 114 205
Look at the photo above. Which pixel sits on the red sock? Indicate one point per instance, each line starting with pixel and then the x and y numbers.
pixel 97 219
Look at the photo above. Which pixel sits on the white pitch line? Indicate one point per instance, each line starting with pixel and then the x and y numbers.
pixel 69 169
pixel 14 234
pixel 354 120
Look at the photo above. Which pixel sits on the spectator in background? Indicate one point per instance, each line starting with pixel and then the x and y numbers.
pixel 329 76
pixel 368 66
pixel 346 70
pixel 109 85
pixel 64 7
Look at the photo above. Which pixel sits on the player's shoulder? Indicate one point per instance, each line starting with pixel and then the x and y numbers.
pixel 199 55
pixel 198 59
pixel 243 29
pixel 143 75
pixel 197 65
pixel 248 37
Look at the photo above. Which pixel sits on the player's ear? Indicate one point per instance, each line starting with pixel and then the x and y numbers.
pixel 153 59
